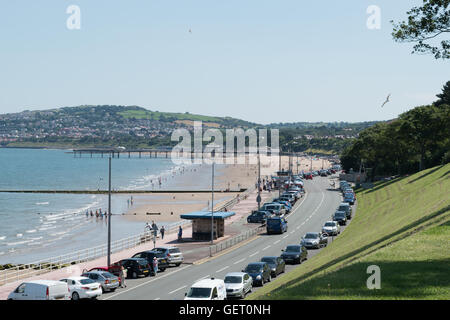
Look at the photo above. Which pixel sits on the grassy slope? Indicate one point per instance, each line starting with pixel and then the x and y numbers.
pixel 401 226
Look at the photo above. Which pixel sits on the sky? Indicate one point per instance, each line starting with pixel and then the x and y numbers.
pixel 263 61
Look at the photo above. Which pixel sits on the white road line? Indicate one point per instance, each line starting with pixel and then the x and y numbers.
pixel 157 299
pixel 177 289
pixel 239 261
pixel 253 254
pixel 224 268
pixel 202 278
pixel 147 282
pixel 266 248
pixel 276 241
pixel 285 236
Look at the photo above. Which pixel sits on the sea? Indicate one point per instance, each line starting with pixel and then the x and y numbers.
pixel 35 226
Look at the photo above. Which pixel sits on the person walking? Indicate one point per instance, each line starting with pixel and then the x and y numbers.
pixel 162 230
pixel 123 276
pixel 155 228
pixel 180 234
pixel 155 266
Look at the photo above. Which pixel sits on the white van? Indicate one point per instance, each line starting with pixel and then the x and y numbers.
pixel 207 289
pixel 41 290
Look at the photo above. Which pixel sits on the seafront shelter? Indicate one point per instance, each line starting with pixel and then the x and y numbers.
pixel 201 223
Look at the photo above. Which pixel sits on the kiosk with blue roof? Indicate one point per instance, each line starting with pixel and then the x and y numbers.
pixel 201 223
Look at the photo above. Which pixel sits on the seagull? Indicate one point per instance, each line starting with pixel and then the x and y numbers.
pixel 387 100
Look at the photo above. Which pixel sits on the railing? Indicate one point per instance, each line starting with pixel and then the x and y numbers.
pixel 214 249
pixel 42 266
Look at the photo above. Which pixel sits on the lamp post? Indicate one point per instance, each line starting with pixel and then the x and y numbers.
pixel 109 212
pixel 212 205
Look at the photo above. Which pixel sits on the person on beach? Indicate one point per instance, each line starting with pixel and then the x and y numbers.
pixel 96 214
pixel 162 230
pixel 92 214
pixel 87 213
pixel 155 266
pixel 123 276
pixel 180 234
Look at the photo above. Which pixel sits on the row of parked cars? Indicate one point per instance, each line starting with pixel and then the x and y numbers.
pixel 93 283
pixel 238 284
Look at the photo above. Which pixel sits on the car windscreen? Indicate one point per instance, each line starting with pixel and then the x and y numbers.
pixel 86 281
pixel 174 250
pixel 233 279
pixel 329 224
pixel 311 236
pixel 199 292
pixel 273 222
pixel 293 249
pixel 272 207
pixel 142 262
pixel 269 260
pixel 107 275
pixel 339 214
pixel 252 268
pixel 343 208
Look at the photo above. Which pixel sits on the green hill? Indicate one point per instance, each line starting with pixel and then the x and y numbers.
pixel 403 226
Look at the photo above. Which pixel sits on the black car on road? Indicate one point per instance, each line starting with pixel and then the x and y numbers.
pixel 259 216
pixel 276 265
pixel 294 254
pixel 149 255
pixel 259 271
pixel 136 267
pixel 340 217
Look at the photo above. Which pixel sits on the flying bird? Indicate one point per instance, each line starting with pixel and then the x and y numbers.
pixel 387 100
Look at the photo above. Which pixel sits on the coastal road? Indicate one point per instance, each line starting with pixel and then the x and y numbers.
pixel 309 215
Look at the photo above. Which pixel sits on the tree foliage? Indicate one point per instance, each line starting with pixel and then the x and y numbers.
pixel 425 26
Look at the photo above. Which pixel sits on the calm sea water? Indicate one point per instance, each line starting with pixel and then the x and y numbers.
pixel 38 226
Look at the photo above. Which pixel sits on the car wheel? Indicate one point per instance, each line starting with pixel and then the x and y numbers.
pixel 134 275
pixel 178 264
pixel 243 294
pixel 162 269
pixel 112 290
pixel 75 296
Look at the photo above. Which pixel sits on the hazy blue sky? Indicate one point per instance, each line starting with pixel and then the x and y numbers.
pixel 259 60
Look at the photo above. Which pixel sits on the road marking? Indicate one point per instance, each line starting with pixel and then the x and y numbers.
pixel 202 278
pixel 177 289
pixel 253 254
pixel 292 232
pixel 147 282
pixel 239 261
pixel 276 241
pixel 298 227
pixel 285 236
pixel 222 269
pixel 157 299
pixel 266 248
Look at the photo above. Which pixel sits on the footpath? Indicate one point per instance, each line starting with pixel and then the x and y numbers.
pixel 192 250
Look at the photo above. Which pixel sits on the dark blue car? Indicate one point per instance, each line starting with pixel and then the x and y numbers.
pixel 259 271
pixel 276 225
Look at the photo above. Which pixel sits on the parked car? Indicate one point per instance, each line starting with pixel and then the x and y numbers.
pixel 276 225
pixel 331 228
pixel 259 216
pixel 107 280
pixel 173 255
pixel 294 254
pixel 288 197
pixel 259 271
pixel 238 284
pixel 83 288
pixel 276 265
pixel 345 206
pixel 207 289
pixel 308 176
pixel 323 173
pixel 41 290
pixel 114 269
pixel 295 193
pixel 136 267
pixel 314 240
pixel 340 217
pixel 350 198
pixel 274 208
pixel 149 255
pixel 286 204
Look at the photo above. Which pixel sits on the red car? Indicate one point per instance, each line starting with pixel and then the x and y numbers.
pixel 308 176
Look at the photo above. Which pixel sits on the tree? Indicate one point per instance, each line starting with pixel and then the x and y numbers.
pixel 444 97
pixel 424 26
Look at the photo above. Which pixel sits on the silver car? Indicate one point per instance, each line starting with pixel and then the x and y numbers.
pixel 331 228
pixel 108 281
pixel 238 284
pixel 173 255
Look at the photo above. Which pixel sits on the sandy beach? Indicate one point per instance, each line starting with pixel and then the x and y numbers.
pixel 167 207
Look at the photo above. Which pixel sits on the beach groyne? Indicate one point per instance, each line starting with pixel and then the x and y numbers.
pixel 120 191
